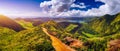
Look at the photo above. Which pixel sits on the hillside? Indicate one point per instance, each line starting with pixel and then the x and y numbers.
pixel 100 31
pixel 9 23
pixel 32 39
pixel 87 36
pixel 108 24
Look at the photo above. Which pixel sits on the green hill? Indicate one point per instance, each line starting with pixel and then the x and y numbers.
pixel 107 24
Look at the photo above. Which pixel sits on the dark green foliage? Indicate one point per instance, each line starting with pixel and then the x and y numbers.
pixel 106 25
pixel 45 46
pixel 96 44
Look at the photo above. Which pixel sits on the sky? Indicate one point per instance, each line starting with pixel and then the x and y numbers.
pixel 58 8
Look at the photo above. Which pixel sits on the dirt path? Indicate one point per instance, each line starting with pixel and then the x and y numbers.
pixel 57 44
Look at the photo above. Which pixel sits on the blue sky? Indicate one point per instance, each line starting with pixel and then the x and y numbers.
pixel 90 3
pixel 32 7
pixel 20 5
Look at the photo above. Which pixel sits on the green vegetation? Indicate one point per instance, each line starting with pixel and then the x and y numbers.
pixel 71 27
pixel 27 25
pixel 95 35
pixel 100 31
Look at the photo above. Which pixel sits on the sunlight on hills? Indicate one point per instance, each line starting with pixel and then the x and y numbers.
pixel 10 23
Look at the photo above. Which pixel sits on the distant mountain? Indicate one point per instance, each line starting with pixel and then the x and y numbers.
pixel 9 23
pixel 40 20
pixel 34 21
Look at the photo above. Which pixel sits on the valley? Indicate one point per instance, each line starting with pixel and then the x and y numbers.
pixel 92 34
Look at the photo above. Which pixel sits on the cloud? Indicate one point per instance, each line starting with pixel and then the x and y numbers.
pixel 61 8
pixel 112 6
pixel 81 5
pixel 57 5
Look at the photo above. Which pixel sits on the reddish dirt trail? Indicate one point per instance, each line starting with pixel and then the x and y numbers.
pixel 57 44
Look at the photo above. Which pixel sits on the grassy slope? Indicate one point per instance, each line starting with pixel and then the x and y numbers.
pixel 25 24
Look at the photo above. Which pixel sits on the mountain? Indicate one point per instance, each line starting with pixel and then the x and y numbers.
pixel 40 20
pixel 108 24
pixel 101 31
pixel 100 34
pixel 9 23
pixel 105 25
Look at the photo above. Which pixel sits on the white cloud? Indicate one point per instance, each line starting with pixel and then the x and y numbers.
pixel 111 6
pixel 57 5
pixel 81 5
pixel 60 8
